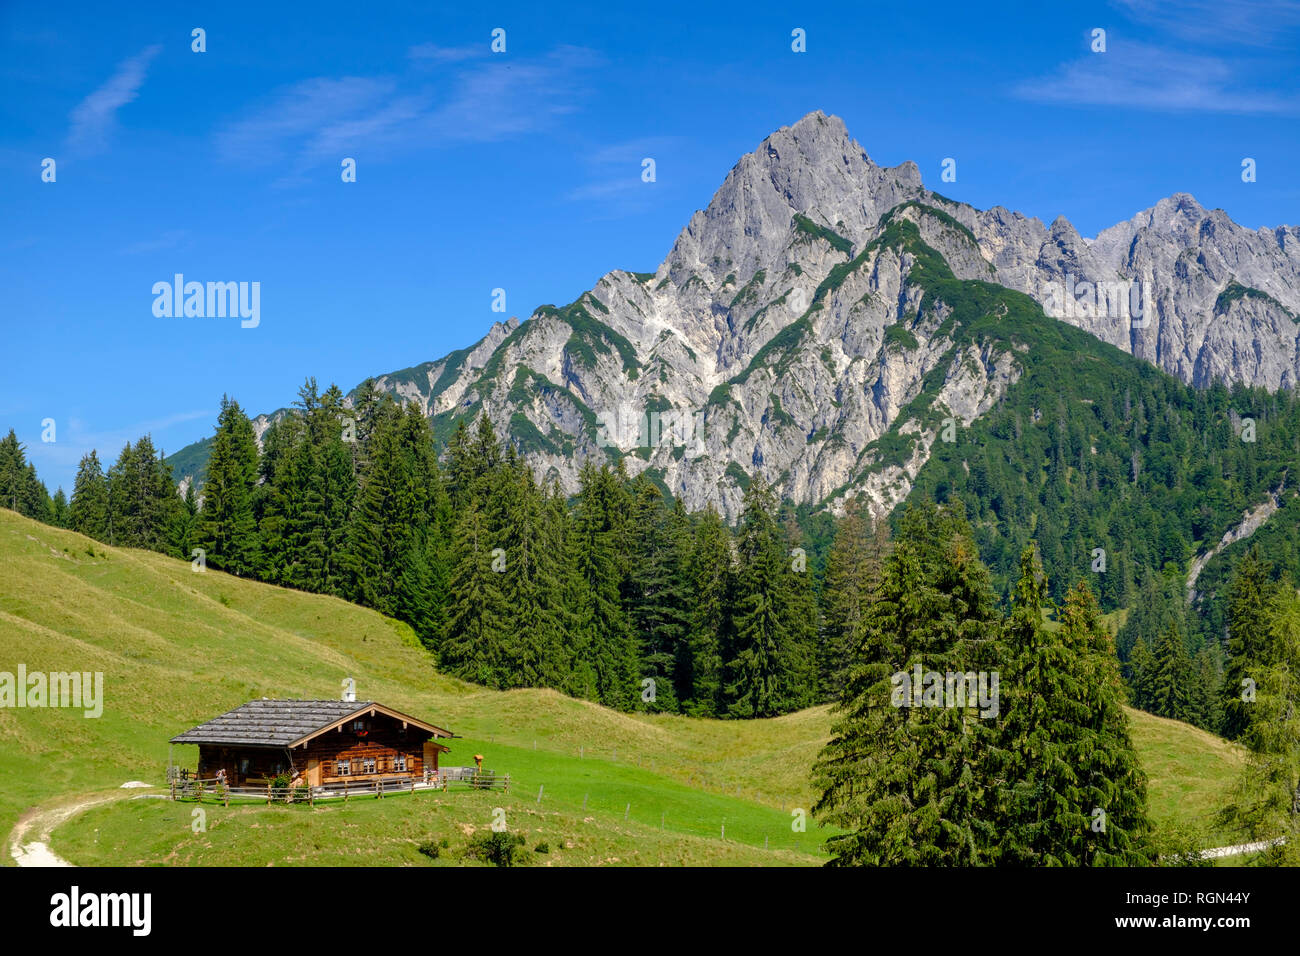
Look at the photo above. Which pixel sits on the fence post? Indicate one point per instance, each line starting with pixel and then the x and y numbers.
pixel 539 792
pixel 345 790
pixel 268 794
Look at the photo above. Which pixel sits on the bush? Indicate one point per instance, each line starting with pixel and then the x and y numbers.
pixel 499 849
pixel 1180 847
pixel 431 849
pixel 444 843
pixel 542 848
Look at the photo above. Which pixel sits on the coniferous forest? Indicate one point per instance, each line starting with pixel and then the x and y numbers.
pixel 618 595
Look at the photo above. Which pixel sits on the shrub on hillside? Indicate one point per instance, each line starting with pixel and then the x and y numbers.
pixel 499 849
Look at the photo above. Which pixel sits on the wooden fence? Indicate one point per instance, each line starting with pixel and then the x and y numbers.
pixel 187 787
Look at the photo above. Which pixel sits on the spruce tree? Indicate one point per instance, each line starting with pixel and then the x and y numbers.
pixel 185 524
pixel 227 530
pixel 605 646
pixel 1265 803
pixel 142 501
pixel 1142 669
pixel 909 785
pixel 655 591
pixel 1172 681
pixel 60 516
pixel 801 622
pixel 762 667
pixel 533 582
pixel 853 571
pixel 472 644
pixel 389 546
pixel 1250 598
pixel 1108 763
pixel 279 499
pixel 1071 792
pixel 88 512
pixel 709 573
pixel 14 493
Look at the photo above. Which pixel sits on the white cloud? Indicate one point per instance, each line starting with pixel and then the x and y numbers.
pixel 433 53
pixel 323 119
pixel 616 169
pixel 1250 23
pixel 1141 76
pixel 95 117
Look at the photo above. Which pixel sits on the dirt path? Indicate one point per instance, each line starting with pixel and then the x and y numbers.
pixel 29 839
pixel 1222 851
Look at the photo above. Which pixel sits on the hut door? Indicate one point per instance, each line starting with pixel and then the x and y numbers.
pixel 313 772
pixel 430 758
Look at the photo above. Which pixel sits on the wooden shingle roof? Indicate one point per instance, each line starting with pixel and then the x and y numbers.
pixel 284 723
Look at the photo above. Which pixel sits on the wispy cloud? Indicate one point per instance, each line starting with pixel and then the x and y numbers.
pixel 323 119
pixel 615 175
pixel 1142 76
pixel 168 240
pixel 282 125
pixel 433 53
pixel 1248 23
pixel 94 118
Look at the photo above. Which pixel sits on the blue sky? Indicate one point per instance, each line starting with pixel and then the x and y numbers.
pixel 522 170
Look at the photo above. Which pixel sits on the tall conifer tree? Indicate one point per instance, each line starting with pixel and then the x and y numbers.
pixel 908 782
pixel 227 529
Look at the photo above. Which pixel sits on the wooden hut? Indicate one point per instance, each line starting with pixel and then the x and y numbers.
pixel 314 742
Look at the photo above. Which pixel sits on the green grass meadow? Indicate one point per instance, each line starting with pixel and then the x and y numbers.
pixel 177 647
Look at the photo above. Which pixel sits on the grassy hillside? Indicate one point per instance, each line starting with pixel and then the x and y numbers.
pixel 177 647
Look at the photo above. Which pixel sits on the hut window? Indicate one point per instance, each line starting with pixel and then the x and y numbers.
pixel 369 764
pixel 343 768
pixel 399 762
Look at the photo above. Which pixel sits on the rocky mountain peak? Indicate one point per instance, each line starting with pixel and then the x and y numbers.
pixel 812 168
pixel 785 334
